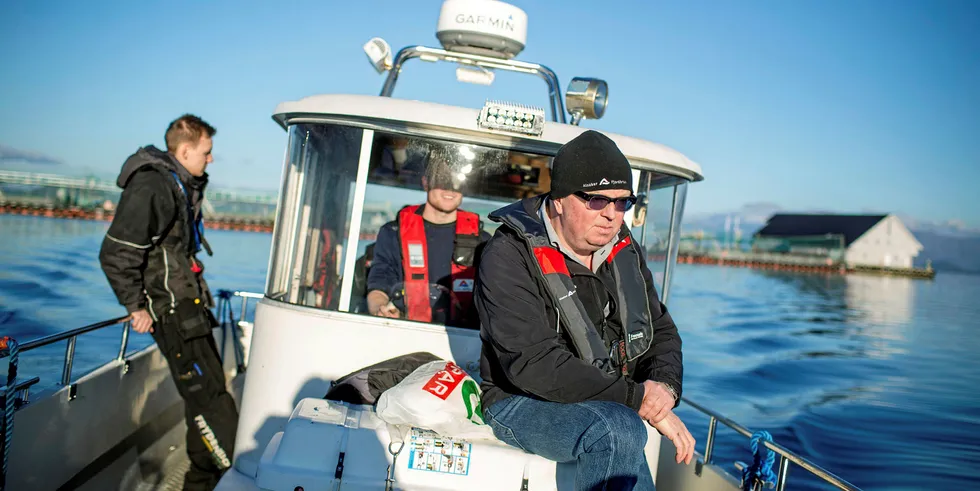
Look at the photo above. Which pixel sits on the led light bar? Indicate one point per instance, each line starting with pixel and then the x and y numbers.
pixel 515 118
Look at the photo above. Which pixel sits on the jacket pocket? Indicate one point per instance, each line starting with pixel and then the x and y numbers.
pixel 193 320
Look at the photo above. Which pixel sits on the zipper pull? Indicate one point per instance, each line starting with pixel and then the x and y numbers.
pixel 622 358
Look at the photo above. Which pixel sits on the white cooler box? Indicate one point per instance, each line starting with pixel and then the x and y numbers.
pixel 333 446
pixel 329 446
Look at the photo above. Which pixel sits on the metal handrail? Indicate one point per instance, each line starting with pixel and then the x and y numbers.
pixel 72 334
pixel 61 336
pixel 785 455
pixel 24 387
pixel 19 391
pixel 435 54
pixel 16 393
pixel 248 294
pixel 224 307
pixel 242 323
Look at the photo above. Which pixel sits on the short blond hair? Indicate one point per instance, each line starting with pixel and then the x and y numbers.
pixel 187 129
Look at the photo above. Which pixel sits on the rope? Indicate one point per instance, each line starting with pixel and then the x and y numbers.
pixel 8 348
pixel 762 461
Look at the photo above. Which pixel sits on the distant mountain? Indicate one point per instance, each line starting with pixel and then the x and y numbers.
pixel 949 228
pixel 15 159
pixel 15 156
pixel 20 160
pixel 751 217
pixel 959 253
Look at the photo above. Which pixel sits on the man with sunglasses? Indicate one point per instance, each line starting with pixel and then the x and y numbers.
pixel 578 351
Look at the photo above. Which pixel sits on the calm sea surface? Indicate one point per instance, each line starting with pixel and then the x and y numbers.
pixel 873 378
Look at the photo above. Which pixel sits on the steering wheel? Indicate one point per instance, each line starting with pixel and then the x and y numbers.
pixel 441 299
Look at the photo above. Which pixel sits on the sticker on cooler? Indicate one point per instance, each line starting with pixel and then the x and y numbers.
pixel 431 452
pixel 324 412
pixel 445 381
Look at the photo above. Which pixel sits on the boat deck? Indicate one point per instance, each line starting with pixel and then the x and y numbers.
pixel 171 475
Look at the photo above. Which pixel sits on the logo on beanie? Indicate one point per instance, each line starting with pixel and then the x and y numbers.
pixel 605 182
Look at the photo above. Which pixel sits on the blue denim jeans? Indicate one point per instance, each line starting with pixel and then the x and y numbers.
pixel 605 440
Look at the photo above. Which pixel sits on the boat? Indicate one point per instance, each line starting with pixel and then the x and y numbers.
pixel 351 161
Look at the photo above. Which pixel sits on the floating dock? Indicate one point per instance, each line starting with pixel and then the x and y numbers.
pixel 793 263
pixel 246 224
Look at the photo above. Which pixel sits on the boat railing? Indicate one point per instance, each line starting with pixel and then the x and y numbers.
pixel 226 313
pixel 786 456
pixel 434 54
pixel 22 388
pixel 16 393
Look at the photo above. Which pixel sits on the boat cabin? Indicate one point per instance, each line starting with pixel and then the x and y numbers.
pixel 352 162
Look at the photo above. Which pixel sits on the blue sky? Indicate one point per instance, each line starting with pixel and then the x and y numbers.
pixel 832 105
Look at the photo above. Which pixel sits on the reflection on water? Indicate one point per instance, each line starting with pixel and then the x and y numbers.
pixel 870 309
pixel 872 377
pixel 886 300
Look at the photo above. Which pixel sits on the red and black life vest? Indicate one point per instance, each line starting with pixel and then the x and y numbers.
pixel 411 235
pixel 633 300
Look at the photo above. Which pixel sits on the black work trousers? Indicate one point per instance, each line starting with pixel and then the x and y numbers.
pixel 212 418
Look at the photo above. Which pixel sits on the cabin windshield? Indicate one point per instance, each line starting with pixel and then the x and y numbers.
pixel 337 176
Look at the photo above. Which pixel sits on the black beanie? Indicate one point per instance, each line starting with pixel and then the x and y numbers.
pixel 589 162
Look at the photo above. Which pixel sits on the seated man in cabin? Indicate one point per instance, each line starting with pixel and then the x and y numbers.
pixel 149 256
pixel 578 351
pixel 426 256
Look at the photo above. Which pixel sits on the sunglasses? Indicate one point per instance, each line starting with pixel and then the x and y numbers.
pixel 598 202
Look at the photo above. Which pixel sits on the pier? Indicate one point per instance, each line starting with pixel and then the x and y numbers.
pixel 245 224
pixel 813 243
pixel 794 263
pixel 91 198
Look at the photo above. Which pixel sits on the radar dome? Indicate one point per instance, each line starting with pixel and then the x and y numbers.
pixel 483 27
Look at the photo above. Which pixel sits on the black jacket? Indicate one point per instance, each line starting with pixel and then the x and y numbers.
pixel 524 354
pixel 147 254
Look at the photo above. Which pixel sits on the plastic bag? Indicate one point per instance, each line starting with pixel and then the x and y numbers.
pixel 438 396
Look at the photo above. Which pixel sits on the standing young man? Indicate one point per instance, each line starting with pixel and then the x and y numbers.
pixel 149 256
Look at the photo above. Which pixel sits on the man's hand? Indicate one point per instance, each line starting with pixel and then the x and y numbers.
pixel 657 402
pixel 389 310
pixel 142 322
pixel 674 429
pixel 380 305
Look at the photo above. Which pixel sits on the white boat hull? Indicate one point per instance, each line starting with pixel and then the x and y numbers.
pixel 297 351
pixel 118 421
pixel 124 429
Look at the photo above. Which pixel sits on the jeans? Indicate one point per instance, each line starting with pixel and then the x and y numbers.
pixel 605 440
